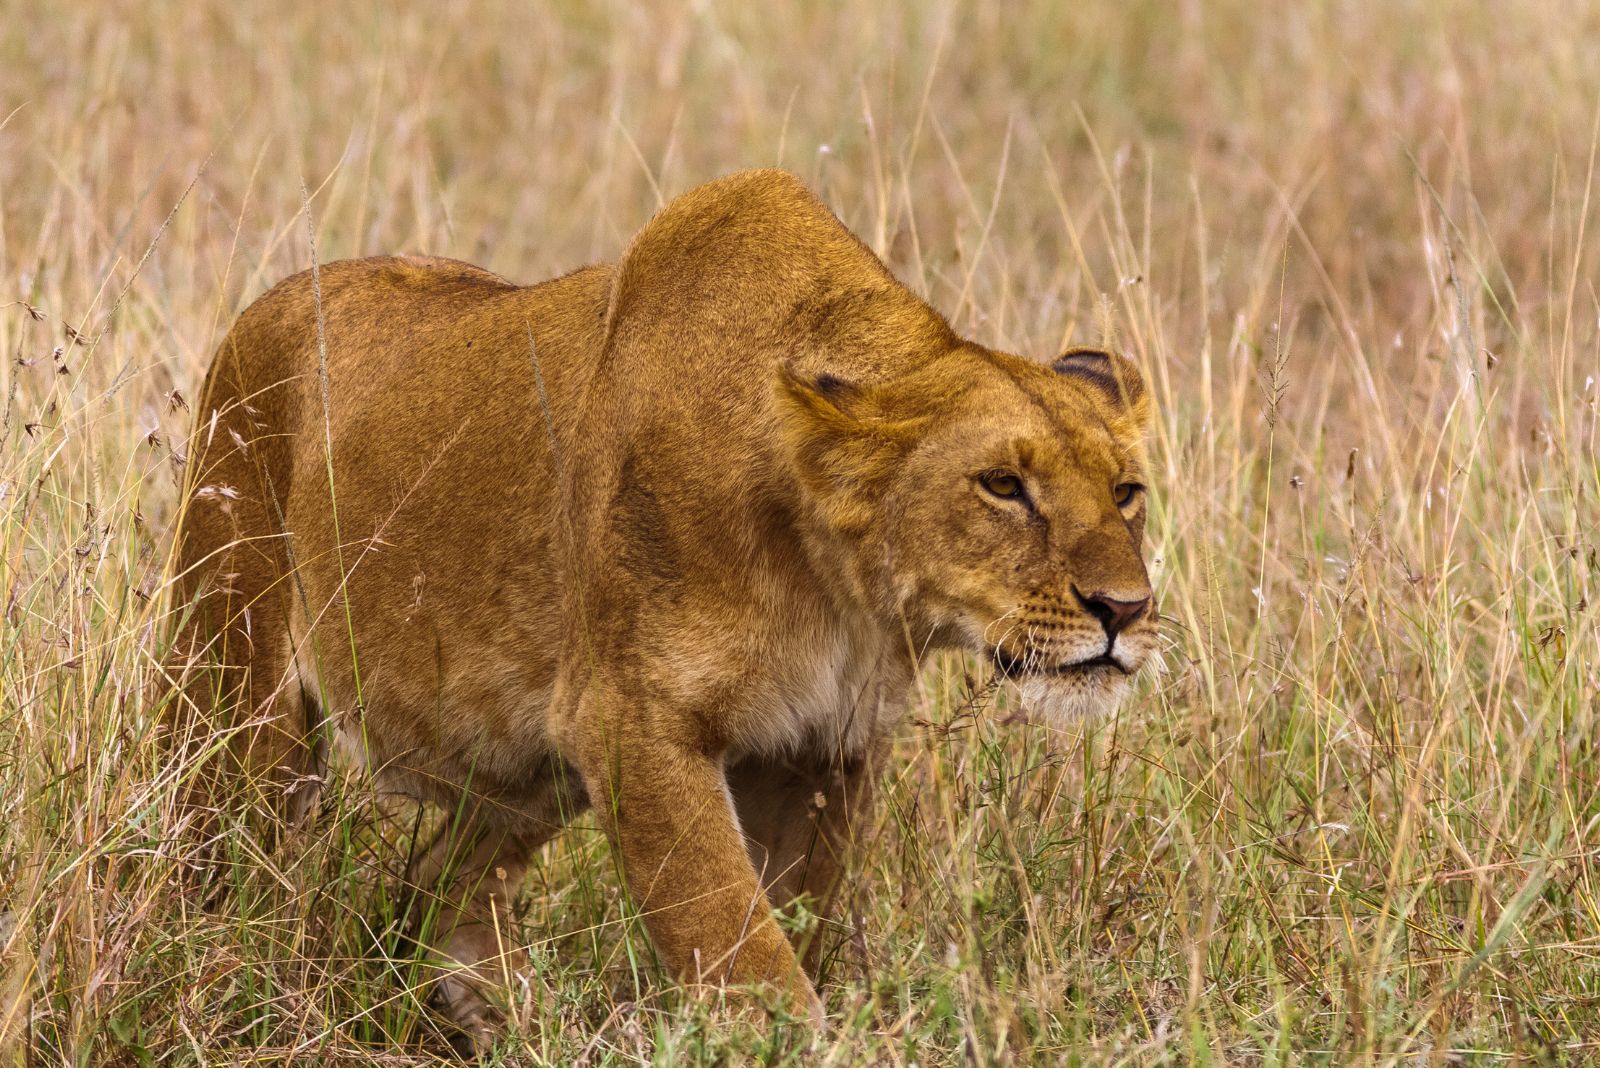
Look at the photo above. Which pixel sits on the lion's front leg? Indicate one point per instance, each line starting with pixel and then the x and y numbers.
pixel 666 804
pixel 802 818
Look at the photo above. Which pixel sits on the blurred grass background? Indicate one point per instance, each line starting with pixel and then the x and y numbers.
pixel 1353 245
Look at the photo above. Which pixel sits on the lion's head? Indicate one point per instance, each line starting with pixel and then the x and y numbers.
pixel 997 504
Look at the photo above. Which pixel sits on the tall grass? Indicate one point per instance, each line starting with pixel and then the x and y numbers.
pixel 1354 245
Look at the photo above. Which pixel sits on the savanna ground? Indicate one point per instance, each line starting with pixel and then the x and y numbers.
pixel 1354 246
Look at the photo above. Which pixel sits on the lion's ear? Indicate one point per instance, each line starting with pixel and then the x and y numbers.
pixel 841 446
pixel 815 406
pixel 1115 376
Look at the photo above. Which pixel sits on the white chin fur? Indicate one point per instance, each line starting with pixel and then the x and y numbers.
pixel 1061 700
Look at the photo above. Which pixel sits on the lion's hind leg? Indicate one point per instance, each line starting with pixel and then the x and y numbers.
pixel 244 732
pixel 461 888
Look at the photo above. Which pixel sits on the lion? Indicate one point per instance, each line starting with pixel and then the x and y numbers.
pixel 665 539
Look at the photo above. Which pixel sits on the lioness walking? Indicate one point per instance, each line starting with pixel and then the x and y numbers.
pixel 666 538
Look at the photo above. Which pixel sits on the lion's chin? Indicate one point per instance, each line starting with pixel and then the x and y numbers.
pixel 1062 700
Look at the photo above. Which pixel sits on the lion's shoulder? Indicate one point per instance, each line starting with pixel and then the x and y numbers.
pixel 738 253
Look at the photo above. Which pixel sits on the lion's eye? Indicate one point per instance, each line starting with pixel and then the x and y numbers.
pixel 1007 487
pixel 1127 493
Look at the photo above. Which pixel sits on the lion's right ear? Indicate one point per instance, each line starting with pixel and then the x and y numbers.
pixel 841 448
pixel 1114 376
pixel 825 396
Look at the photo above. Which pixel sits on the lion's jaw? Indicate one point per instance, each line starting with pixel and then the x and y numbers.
pixel 1059 701
pixel 1072 679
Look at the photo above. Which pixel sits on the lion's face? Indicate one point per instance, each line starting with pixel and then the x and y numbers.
pixel 1012 522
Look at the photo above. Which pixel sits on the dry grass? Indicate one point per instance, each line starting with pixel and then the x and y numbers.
pixel 1354 244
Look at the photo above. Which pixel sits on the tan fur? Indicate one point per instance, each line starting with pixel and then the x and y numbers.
pixel 667 538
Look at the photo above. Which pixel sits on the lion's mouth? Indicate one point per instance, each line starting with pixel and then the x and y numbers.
pixel 1012 667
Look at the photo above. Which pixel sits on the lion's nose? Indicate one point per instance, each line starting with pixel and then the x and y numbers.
pixel 1114 615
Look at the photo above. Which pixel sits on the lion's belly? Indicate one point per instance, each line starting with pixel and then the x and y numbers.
pixel 436 693
pixel 487 734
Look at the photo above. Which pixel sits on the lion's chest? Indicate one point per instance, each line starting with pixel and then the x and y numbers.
pixel 819 686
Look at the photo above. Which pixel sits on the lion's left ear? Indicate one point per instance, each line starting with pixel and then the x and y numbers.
pixel 1115 376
